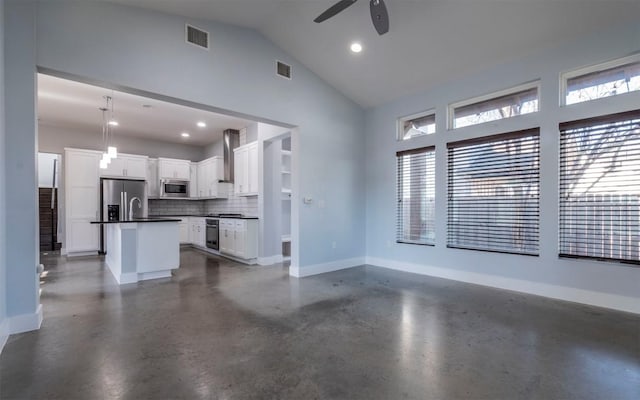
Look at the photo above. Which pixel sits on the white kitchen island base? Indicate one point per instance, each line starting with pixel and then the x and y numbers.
pixel 138 251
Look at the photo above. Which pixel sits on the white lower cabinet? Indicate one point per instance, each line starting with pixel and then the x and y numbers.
pixel 184 230
pixel 197 231
pixel 239 238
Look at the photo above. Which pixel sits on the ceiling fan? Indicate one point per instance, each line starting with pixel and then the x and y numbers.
pixel 379 15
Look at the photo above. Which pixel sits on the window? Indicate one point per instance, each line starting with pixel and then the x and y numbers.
pixel 506 104
pixel 600 188
pixel 603 80
pixel 494 193
pixel 416 196
pixel 417 125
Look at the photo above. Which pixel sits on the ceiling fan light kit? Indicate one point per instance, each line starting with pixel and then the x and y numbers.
pixel 379 14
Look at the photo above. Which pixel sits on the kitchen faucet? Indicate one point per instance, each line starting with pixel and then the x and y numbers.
pixel 131 206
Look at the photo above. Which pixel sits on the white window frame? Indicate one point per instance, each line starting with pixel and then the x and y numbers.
pixel 490 96
pixel 428 151
pixel 565 76
pixel 460 183
pixel 402 120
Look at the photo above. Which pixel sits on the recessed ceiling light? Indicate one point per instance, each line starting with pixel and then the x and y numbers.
pixel 202 124
pixel 113 122
pixel 356 47
pixel 184 134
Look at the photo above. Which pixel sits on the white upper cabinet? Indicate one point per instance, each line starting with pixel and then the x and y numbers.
pixel 210 172
pixel 202 178
pixel 81 200
pixel 169 168
pixel 153 182
pixel 246 170
pixel 127 166
pixel 193 180
pixel 136 167
pixel 253 168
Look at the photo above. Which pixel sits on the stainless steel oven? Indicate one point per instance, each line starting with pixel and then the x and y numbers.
pixel 213 234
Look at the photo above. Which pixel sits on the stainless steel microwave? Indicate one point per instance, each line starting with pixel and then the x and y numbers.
pixel 174 188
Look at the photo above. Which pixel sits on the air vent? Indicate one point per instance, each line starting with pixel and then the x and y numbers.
pixel 283 70
pixel 197 36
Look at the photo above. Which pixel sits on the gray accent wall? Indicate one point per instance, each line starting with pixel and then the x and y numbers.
pixel 53 139
pixel 3 224
pixel 20 163
pixel 135 49
pixel 610 284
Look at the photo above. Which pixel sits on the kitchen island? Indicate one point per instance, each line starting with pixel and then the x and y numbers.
pixel 141 249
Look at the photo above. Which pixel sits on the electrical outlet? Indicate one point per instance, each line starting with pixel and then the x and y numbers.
pixel 334 245
pixel 388 243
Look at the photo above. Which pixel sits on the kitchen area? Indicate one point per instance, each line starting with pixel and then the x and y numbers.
pixel 137 184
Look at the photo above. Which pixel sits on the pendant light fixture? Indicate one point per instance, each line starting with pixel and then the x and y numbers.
pixel 108 123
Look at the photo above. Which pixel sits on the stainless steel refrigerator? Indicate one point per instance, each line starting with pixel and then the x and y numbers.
pixel 122 200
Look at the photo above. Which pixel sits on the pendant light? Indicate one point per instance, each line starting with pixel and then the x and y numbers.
pixel 111 151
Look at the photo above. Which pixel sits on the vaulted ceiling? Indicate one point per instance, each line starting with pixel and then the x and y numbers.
pixel 429 41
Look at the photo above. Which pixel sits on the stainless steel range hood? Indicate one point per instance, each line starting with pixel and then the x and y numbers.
pixel 230 140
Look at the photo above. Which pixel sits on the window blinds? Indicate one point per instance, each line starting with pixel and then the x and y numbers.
pixel 493 193
pixel 416 196
pixel 600 188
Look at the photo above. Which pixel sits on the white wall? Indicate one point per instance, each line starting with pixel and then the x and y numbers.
pixel 46 169
pixel 609 285
pixel 54 139
pixel 214 149
pixel 3 224
pixel 140 50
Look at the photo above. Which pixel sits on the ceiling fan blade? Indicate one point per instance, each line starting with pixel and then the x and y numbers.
pixel 379 16
pixel 334 9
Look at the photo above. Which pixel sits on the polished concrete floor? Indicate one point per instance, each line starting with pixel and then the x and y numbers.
pixel 220 330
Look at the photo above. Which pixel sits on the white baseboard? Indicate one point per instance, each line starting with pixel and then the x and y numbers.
pixel 134 277
pixel 4 333
pixel 25 322
pixel 270 260
pixel 129 277
pixel 599 299
pixel 300 272
pixel 82 253
pixel 145 276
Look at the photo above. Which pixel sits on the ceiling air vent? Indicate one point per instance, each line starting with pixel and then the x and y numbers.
pixel 197 36
pixel 283 70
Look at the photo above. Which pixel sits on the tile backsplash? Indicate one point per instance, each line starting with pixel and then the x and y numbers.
pixel 232 204
pixel 176 207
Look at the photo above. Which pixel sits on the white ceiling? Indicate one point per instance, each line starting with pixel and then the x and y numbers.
pixel 74 105
pixel 429 41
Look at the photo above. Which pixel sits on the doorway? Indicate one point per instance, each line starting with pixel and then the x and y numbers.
pixel 48 183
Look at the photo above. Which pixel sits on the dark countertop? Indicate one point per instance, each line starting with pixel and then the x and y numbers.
pixel 204 216
pixel 137 220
